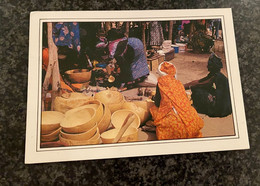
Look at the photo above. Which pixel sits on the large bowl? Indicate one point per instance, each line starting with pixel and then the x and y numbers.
pixel 75 115
pixel 118 118
pixel 79 120
pixel 131 134
pixel 69 101
pixel 98 106
pixel 51 137
pixel 113 99
pixel 141 108
pixel 95 139
pixel 51 121
pixel 80 136
pixel 79 75
pixel 105 120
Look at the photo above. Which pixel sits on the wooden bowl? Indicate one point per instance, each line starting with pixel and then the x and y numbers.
pixel 51 137
pixel 80 136
pixel 79 75
pixel 79 120
pixel 131 134
pixel 139 109
pixel 69 101
pixel 113 99
pixel 51 121
pixel 95 139
pixel 105 120
pixel 119 116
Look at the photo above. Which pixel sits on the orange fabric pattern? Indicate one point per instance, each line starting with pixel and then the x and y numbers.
pixel 175 118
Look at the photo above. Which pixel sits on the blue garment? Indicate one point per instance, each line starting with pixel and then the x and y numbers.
pixel 66 34
pixel 139 65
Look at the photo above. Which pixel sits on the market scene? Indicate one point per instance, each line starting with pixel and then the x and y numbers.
pixel 115 82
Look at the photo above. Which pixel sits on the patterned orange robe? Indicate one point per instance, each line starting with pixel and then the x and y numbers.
pixel 175 118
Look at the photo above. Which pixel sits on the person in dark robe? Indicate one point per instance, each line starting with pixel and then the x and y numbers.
pixel 210 95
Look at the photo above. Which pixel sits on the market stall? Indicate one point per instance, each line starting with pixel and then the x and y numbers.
pixel 88 97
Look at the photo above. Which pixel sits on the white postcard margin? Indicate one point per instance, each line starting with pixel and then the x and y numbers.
pixel 35 154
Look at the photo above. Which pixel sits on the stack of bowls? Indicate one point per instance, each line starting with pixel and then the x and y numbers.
pixel 50 126
pixel 117 119
pixel 83 125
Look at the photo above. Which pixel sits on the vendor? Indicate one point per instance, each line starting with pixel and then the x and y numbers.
pixel 173 115
pixel 66 36
pixel 210 94
pixel 130 56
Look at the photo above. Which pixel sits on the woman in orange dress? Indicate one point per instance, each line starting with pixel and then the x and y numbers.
pixel 173 115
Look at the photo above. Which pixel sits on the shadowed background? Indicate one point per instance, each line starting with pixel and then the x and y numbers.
pixel 215 168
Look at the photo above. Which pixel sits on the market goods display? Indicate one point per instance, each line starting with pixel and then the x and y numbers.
pixel 79 75
pixel 69 101
pixel 50 121
pixel 113 99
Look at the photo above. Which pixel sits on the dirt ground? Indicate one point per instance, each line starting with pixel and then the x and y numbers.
pixel 191 66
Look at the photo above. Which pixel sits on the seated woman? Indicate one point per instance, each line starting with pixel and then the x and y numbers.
pixel 210 94
pixel 130 56
pixel 173 115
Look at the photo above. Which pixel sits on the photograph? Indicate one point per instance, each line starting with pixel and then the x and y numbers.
pixel 119 85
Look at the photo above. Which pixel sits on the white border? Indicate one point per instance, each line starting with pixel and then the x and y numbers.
pixel 33 152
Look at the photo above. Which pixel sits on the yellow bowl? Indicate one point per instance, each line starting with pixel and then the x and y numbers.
pixel 51 137
pixel 80 136
pixel 140 111
pixel 98 106
pixel 105 120
pixel 79 120
pixel 118 117
pixel 144 104
pixel 95 139
pixel 50 121
pixel 69 101
pixel 131 134
pixel 79 75
pixel 113 99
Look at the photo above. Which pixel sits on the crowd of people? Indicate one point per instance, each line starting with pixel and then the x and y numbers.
pixel 174 116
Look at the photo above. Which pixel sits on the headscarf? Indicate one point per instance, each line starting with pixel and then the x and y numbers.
pixel 215 62
pixel 167 68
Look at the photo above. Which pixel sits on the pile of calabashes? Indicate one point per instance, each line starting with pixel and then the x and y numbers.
pixel 78 119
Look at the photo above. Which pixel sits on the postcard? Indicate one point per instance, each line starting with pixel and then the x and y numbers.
pixel 114 84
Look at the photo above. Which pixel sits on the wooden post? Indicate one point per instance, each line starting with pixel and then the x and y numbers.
pixel 127 29
pixel 170 30
pixel 107 26
pixel 143 35
pixel 56 86
pixel 192 28
pixel 52 69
